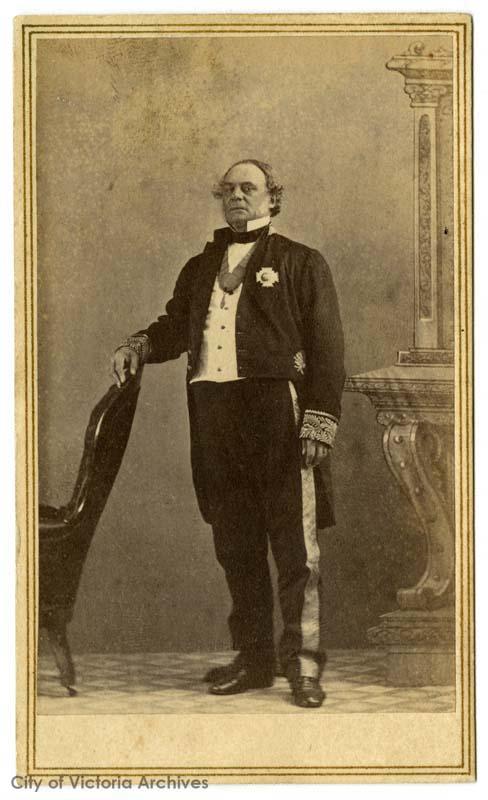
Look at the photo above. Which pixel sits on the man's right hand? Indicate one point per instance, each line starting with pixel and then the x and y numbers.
pixel 125 363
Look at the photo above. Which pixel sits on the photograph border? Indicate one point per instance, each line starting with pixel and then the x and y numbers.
pixel 28 30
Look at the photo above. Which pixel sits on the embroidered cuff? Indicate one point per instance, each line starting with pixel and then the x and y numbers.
pixel 319 426
pixel 140 344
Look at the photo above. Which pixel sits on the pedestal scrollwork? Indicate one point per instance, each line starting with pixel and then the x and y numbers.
pixel 418 455
pixel 414 403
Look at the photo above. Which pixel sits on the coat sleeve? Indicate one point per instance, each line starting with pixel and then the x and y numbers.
pixel 167 337
pixel 324 351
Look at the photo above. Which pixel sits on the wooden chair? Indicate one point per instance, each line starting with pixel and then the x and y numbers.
pixel 65 533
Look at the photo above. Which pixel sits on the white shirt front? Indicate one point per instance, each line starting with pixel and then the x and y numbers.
pixel 218 357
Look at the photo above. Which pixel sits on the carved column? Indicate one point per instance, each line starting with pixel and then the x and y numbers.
pixel 414 398
pixel 428 83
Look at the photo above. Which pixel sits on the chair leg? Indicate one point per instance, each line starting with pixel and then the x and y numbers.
pixel 58 640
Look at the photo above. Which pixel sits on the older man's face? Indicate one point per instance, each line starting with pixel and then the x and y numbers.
pixel 245 195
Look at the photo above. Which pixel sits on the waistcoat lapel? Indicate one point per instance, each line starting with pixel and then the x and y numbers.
pixel 210 263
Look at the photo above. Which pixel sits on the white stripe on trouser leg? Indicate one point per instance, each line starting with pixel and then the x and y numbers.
pixel 309 623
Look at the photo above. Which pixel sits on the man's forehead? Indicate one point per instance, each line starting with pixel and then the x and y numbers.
pixel 245 172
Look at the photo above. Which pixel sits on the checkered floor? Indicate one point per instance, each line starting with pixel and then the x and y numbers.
pixel 171 683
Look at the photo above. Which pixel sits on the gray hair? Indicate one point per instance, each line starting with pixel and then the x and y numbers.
pixel 274 188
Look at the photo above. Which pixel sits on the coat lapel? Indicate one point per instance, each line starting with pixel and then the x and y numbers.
pixel 262 257
pixel 256 261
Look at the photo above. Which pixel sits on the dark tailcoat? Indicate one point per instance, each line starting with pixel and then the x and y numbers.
pixel 287 328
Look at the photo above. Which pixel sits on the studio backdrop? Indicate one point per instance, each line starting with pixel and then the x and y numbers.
pixel 131 135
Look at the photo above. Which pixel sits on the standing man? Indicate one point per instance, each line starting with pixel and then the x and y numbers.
pixel 257 314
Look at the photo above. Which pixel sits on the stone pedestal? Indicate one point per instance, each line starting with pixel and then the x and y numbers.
pixel 419 647
pixel 414 398
pixel 415 404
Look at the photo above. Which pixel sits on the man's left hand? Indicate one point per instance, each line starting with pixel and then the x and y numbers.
pixel 313 452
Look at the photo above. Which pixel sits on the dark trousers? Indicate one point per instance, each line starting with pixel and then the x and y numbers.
pixel 258 493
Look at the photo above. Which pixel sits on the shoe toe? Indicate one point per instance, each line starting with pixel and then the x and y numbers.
pixel 241 682
pixel 309 701
pixel 308 693
pixel 230 685
pixel 224 688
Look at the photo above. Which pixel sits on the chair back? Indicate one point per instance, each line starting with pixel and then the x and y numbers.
pixel 106 439
pixel 65 534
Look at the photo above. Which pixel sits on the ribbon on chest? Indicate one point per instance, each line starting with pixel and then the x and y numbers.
pixel 230 281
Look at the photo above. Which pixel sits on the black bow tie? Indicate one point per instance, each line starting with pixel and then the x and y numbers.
pixel 243 237
pixel 226 236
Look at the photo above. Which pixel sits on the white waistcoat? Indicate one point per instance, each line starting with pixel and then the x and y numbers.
pixel 218 358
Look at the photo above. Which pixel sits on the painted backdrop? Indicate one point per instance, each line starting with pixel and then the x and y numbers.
pixel 131 135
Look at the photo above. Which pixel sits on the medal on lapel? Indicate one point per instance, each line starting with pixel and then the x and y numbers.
pixel 267 277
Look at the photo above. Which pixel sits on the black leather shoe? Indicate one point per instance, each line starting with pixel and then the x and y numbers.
pixel 241 681
pixel 307 692
pixel 262 660
pixel 217 674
